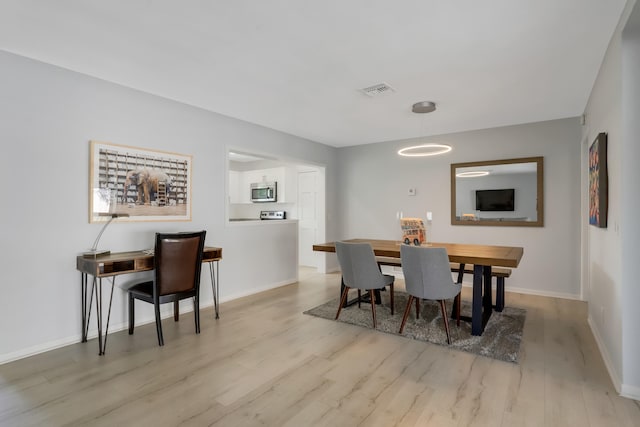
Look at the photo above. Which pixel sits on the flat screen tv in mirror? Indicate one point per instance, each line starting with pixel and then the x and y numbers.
pixel 507 192
pixel 495 200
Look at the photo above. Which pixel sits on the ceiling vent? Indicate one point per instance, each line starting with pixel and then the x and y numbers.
pixel 376 90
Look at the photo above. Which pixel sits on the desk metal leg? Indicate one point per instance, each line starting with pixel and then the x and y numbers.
pixel 96 289
pixel 86 305
pixel 215 285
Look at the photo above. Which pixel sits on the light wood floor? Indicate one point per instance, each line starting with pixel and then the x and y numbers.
pixel 265 363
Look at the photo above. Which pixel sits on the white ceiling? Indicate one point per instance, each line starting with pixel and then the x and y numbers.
pixel 297 65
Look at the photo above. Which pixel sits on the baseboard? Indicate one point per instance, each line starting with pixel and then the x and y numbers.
pixel 397 272
pixel 37 349
pixel 537 292
pixel 630 392
pixel 617 384
pixel 253 291
pixel 63 342
pixel 625 390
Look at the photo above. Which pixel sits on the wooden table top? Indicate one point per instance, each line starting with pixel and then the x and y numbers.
pixel 116 263
pixel 495 256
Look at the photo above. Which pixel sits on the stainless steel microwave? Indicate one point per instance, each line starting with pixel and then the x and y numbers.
pixel 264 192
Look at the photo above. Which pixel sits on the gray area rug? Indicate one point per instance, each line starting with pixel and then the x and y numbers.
pixel 500 340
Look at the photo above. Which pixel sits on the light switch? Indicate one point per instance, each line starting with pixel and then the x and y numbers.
pixel 412 192
pixel 429 216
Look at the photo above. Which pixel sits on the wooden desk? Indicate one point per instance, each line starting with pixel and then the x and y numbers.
pixel 483 257
pixel 115 264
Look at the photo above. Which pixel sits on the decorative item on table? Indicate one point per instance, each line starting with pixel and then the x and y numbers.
pixel 413 231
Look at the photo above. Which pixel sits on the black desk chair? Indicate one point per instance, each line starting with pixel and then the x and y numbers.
pixel 178 261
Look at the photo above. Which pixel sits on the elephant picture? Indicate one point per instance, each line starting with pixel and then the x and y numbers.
pixel 147 183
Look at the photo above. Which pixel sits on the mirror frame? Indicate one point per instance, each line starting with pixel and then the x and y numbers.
pixel 540 194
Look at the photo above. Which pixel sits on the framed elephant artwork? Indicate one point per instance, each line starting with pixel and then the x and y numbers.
pixel 146 185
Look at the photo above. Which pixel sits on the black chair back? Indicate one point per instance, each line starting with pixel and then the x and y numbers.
pixel 178 258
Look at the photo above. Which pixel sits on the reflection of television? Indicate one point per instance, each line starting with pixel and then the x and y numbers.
pixel 495 200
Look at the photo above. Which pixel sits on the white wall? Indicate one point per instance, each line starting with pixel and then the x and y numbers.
pixel 48 115
pixel 612 255
pixel 603 114
pixel 630 204
pixel 375 181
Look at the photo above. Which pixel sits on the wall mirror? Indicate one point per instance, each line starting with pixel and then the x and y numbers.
pixel 505 192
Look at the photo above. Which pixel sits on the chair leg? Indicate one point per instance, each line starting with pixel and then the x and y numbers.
pixel 459 303
pixel 159 325
pixel 392 304
pixel 373 306
pixel 446 320
pixel 176 310
pixel 417 308
pixel 359 298
pixel 196 310
pixel 406 313
pixel 131 314
pixel 343 299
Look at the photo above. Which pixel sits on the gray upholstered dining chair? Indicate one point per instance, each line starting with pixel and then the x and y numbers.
pixel 427 275
pixel 178 261
pixel 360 270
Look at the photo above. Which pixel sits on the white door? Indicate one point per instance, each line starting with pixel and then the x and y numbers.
pixel 307 216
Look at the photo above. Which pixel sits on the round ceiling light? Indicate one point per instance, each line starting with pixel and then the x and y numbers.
pixel 423 107
pixel 425 150
pixel 472 174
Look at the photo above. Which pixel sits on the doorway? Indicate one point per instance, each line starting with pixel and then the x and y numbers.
pixel 311 207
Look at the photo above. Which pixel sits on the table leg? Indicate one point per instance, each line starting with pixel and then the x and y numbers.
pixel 487 298
pixel 98 292
pixel 499 294
pixel 215 283
pixel 86 305
pixel 102 337
pixel 476 311
pixel 456 301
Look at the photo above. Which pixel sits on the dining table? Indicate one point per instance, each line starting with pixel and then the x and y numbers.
pixel 483 258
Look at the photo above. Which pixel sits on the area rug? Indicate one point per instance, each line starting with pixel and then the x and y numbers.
pixel 500 339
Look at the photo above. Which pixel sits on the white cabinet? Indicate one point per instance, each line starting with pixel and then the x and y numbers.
pixel 240 183
pixel 285 176
pixel 235 188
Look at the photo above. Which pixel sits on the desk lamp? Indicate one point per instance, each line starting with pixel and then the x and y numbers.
pixel 94 252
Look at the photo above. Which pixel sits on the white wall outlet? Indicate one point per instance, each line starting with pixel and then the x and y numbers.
pixel 429 216
pixel 412 192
